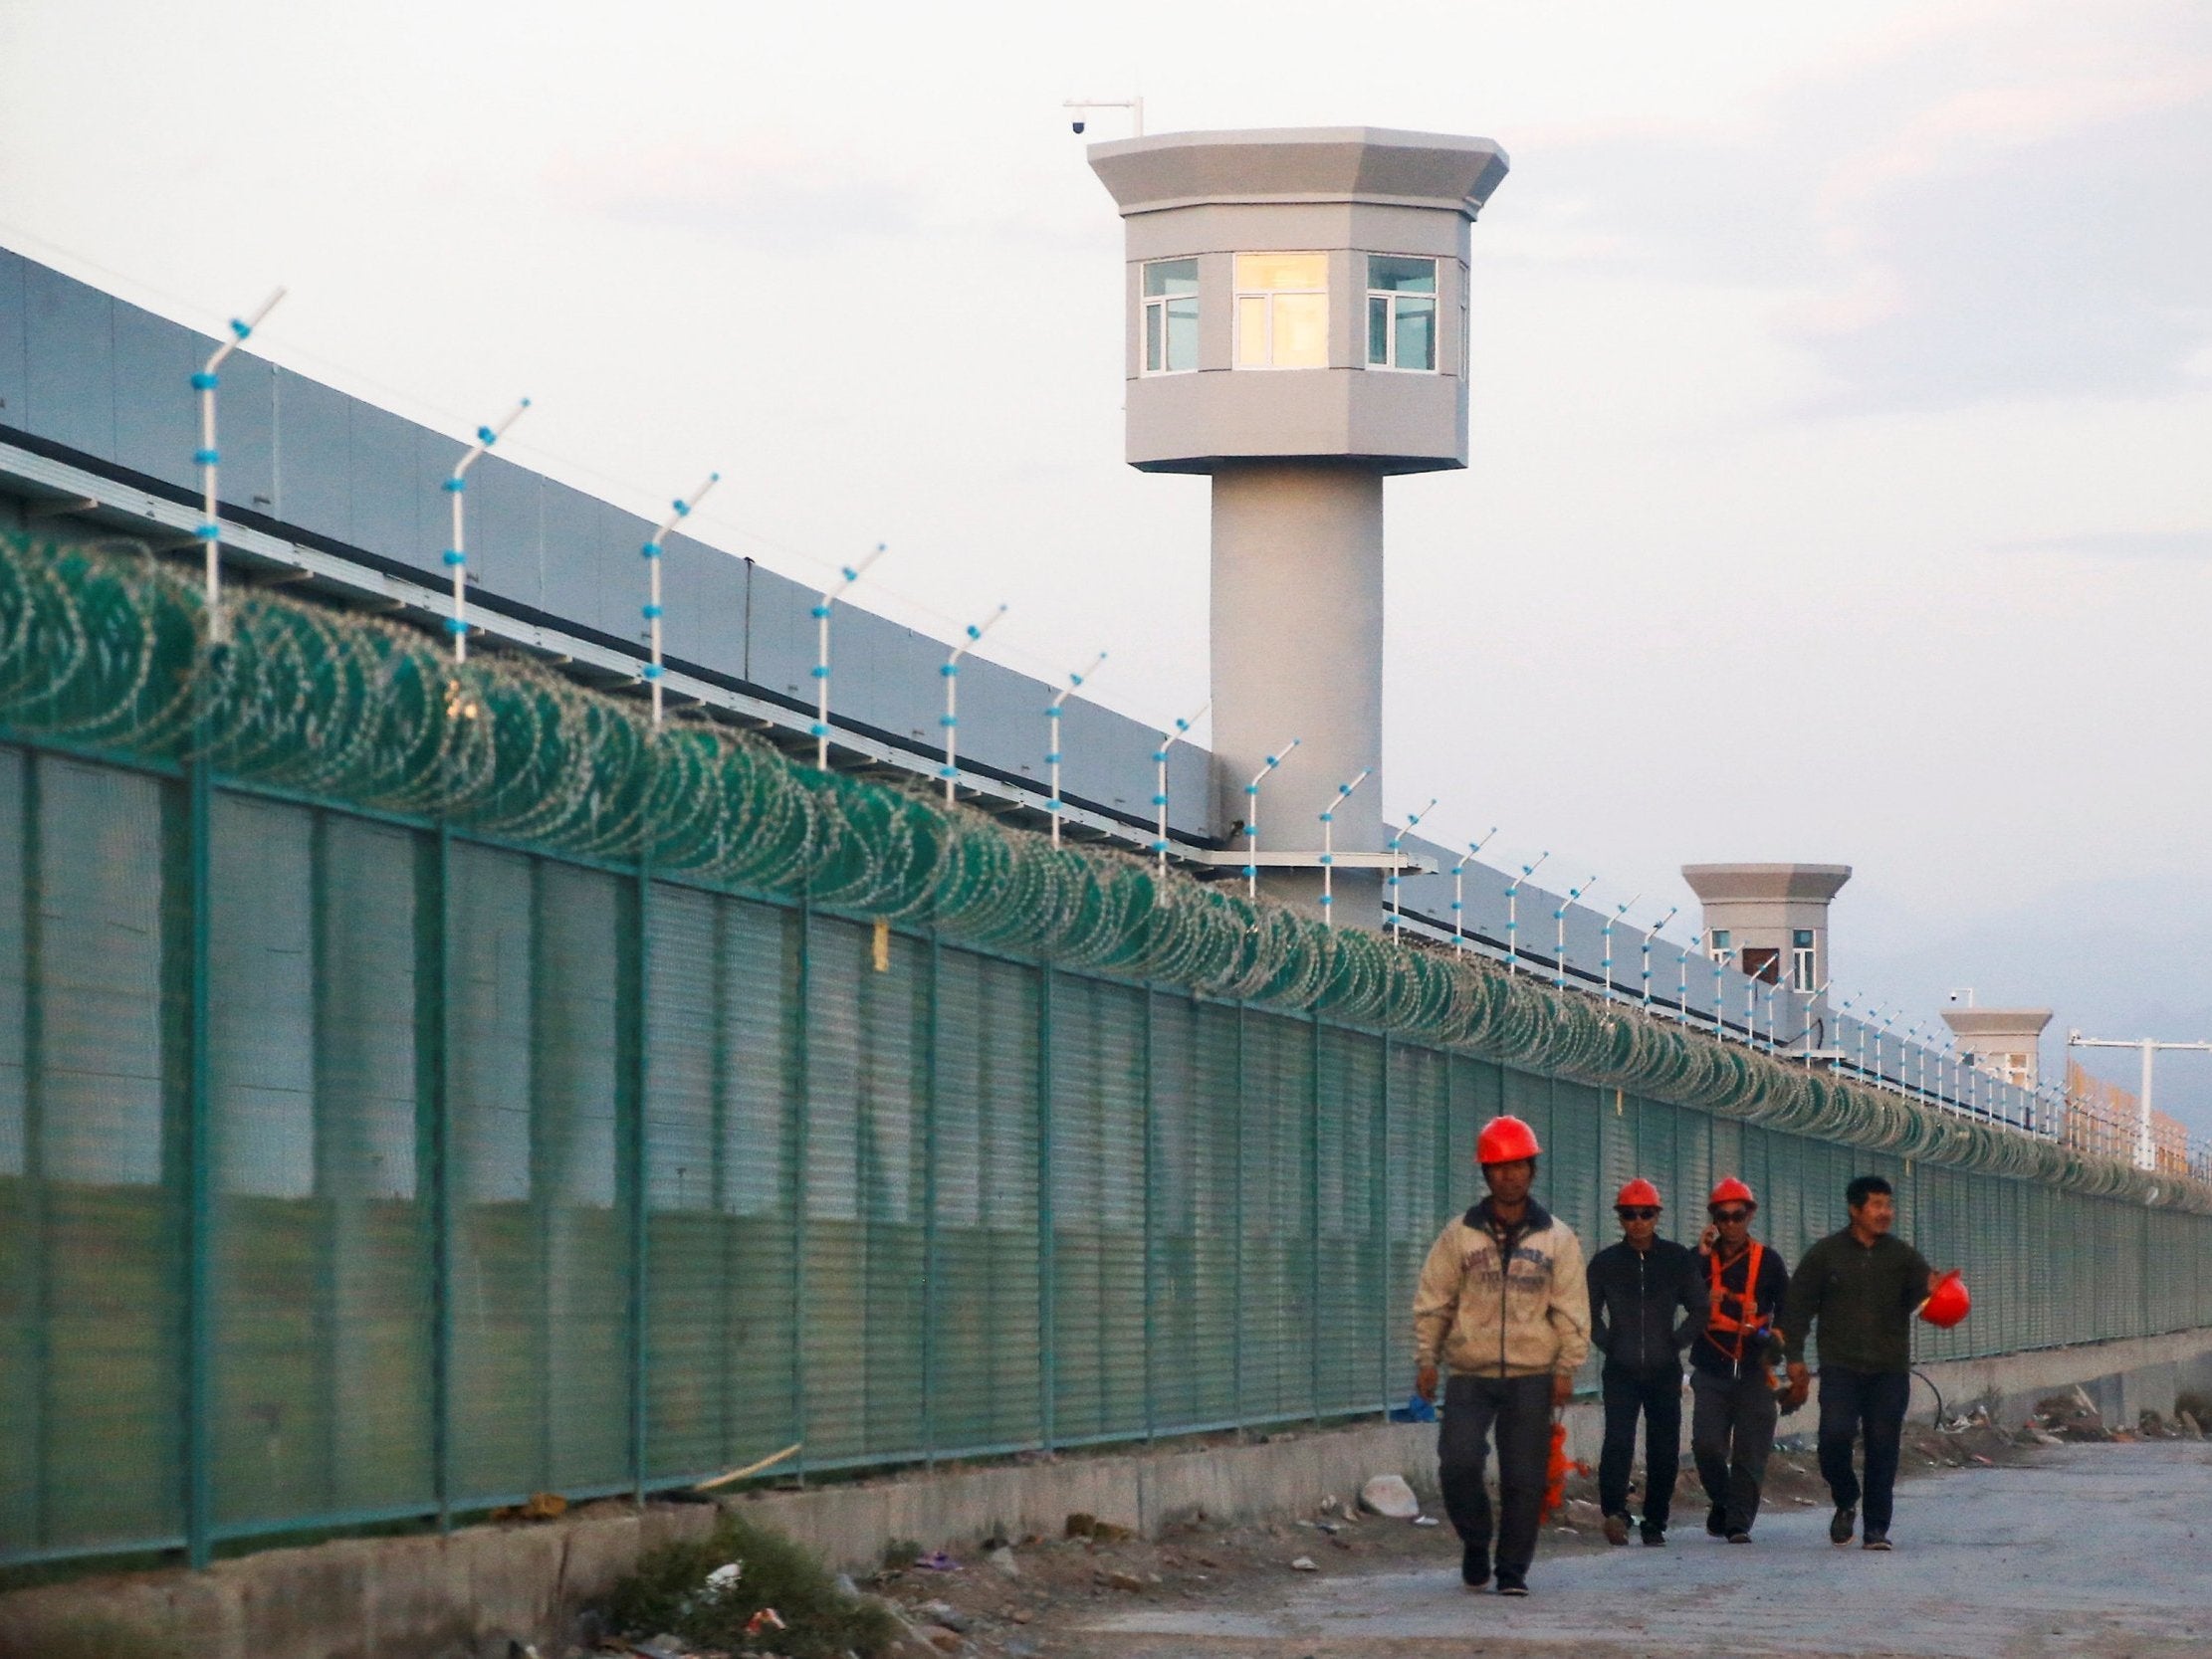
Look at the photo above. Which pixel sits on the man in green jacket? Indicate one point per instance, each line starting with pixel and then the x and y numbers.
pixel 1859 1286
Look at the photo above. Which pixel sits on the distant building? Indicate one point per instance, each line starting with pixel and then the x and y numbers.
pixel 1769 920
pixel 2006 1043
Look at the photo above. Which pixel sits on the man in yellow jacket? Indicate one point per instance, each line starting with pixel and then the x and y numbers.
pixel 1504 1304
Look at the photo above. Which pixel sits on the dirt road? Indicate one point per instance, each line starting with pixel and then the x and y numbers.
pixel 2081 1550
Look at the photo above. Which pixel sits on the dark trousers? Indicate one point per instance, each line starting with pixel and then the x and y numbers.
pixel 1732 1435
pixel 1659 1401
pixel 1872 1403
pixel 1520 1407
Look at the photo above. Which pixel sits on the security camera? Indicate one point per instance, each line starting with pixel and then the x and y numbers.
pixel 1076 125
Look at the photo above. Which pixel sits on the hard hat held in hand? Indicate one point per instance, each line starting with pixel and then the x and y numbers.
pixel 1948 1303
pixel 1638 1194
pixel 1505 1140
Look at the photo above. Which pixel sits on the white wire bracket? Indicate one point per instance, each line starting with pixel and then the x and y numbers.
pixel 209 457
pixel 1251 816
pixel 652 553
pixel 1167 741
pixel 950 720
pixel 1393 919
pixel 1055 805
pixel 1328 845
pixel 456 551
pixel 847 574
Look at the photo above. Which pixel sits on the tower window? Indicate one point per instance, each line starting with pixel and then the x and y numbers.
pixel 1283 311
pixel 1401 313
pixel 1723 946
pixel 1170 316
pixel 1801 965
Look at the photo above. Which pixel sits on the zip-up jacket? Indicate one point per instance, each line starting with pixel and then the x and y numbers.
pixel 1863 1297
pixel 1731 1353
pixel 1497 1301
pixel 1646 1306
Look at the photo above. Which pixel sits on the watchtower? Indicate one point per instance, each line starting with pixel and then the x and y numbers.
pixel 1769 920
pixel 1297 307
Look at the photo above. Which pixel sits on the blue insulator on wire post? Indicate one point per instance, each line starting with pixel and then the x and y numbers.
pixel 847 574
pixel 1167 741
pixel 1459 891
pixel 1052 739
pixel 1251 817
pixel 1620 911
pixel 208 459
pixel 1559 944
pixel 1513 913
pixel 1644 963
pixel 1394 921
pixel 653 550
pixel 950 720
pixel 1328 846
pixel 457 553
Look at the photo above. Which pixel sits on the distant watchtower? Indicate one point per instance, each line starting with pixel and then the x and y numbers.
pixel 1769 920
pixel 1297 306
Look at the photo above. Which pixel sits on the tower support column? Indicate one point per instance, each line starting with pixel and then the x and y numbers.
pixel 1298 651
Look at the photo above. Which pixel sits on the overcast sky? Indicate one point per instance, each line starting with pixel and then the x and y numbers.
pixel 1842 482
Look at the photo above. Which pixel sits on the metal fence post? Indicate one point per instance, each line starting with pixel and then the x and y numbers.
pixel 639 1022
pixel 39 1431
pixel 1237 1240
pixel 1047 1267
pixel 199 1308
pixel 929 1105
pixel 1378 1221
pixel 1147 1164
pixel 802 1065
pixel 435 1027
pixel 1313 1225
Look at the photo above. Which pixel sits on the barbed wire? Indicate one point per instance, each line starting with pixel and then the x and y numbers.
pixel 106 645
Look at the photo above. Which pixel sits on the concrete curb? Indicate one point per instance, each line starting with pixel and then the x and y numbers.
pixel 463 1596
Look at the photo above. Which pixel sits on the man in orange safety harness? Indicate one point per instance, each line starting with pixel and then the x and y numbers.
pixel 1731 1378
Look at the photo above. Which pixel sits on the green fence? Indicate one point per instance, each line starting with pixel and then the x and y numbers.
pixel 363 1164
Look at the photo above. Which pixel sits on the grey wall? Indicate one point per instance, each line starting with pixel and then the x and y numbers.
pixel 106 385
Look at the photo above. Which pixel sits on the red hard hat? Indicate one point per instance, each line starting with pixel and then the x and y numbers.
pixel 1731 1191
pixel 1948 1303
pixel 1637 1192
pixel 1505 1140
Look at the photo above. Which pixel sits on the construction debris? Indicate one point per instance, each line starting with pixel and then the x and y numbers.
pixel 1390 1498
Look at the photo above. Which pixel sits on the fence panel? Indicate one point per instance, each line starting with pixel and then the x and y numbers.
pixel 899 1200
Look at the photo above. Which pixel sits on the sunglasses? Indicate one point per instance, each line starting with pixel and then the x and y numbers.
pixel 1640 1213
pixel 1731 1215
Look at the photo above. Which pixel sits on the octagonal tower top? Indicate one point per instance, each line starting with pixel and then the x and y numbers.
pixel 1298 293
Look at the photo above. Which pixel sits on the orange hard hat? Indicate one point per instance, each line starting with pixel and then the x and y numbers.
pixel 1637 1192
pixel 1505 1140
pixel 1948 1303
pixel 1731 1191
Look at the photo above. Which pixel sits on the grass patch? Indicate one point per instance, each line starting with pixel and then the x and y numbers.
pixel 669 1592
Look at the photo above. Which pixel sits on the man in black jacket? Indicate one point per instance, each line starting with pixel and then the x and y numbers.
pixel 1731 1377
pixel 1861 1287
pixel 1637 1288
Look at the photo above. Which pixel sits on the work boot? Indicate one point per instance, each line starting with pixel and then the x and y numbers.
pixel 1717 1521
pixel 1878 1538
pixel 1616 1528
pixel 1839 1530
pixel 1511 1583
pixel 1654 1535
pixel 1739 1536
pixel 1474 1565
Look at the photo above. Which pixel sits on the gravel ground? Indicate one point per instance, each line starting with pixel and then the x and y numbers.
pixel 2080 1550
